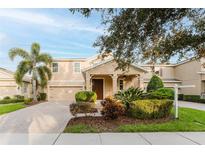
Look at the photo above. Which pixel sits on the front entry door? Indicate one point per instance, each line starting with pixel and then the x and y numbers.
pixel 97 86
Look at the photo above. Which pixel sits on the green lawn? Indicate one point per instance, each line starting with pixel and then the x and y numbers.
pixel 6 108
pixel 189 120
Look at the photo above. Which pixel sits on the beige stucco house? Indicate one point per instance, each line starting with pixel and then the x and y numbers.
pixel 72 75
pixel 8 86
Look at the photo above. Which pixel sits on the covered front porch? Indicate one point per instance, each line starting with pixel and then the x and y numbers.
pixel 106 81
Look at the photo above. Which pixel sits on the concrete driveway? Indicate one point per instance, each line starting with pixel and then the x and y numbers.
pixel 43 118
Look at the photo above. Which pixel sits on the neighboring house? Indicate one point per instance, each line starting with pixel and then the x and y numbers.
pixel 72 75
pixel 8 86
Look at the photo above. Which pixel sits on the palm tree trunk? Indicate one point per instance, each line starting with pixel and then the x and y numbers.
pixel 34 84
pixel 34 90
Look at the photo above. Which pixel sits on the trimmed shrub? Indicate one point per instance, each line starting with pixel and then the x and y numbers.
pixel 180 97
pixel 129 95
pixel 150 109
pixel 85 107
pixel 42 96
pixel 154 84
pixel 27 101
pixel 202 101
pixel 112 108
pixel 19 97
pixel 192 98
pixel 85 96
pixel 7 97
pixel 161 93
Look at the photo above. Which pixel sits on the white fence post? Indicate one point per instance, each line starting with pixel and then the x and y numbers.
pixel 176 105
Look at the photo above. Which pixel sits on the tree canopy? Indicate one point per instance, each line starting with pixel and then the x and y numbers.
pixel 152 35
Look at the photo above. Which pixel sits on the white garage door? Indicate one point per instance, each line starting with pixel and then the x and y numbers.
pixel 64 94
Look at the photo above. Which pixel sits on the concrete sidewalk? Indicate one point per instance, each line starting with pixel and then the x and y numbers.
pixel 193 105
pixel 156 138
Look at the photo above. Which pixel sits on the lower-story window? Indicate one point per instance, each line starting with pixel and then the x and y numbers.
pixel 121 84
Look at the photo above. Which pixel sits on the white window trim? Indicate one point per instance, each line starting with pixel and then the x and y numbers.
pixel 52 67
pixel 74 68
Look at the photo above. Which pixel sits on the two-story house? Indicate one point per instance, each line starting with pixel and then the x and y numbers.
pixel 99 75
pixel 72 75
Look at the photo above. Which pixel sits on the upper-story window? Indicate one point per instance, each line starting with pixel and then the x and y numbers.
pixel 76 67
pixel 55 67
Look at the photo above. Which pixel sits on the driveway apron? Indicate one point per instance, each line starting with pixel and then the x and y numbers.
pixel 49 117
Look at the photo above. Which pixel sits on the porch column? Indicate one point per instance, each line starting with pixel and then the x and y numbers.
pixel 141 81
pixel 114 83
pixel 87 81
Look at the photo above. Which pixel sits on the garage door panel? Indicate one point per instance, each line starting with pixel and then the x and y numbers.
pixel 63 93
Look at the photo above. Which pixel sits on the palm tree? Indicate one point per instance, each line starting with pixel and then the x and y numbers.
pixel 33 63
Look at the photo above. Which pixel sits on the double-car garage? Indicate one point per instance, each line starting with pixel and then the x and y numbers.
pixel 63 93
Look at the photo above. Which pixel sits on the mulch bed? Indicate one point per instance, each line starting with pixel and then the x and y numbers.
pixel 103 125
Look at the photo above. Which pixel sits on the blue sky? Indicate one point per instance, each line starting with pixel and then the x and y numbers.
pixel 58 31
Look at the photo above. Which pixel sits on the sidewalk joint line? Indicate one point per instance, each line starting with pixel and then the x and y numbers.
pixel 145 138
pixel 188 138
pixel 56 138
pixel 100 138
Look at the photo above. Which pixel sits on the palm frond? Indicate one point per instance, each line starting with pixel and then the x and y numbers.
pixel 42 77
pixel 35 49
pixel 48 72
pixel 44 58
pixel 18 52
pixel 23 68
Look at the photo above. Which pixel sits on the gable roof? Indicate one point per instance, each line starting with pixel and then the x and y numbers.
pixel 109 60
pixel 26 78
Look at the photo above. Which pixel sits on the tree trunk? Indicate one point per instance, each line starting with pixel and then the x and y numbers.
pixel 153 69
pixel 34 84
pixel 34 90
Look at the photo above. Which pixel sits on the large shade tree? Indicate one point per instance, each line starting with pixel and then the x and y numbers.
pixel 152 35
pixel 33 63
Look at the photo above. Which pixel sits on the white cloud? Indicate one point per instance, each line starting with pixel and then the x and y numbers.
pixel 64 53
pixel 26 16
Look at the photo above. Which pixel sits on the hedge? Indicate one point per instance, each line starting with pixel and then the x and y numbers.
pixel 150 109
pixel 181 97
pixel 193 98
pixel 11 100
pixel 161 93
pixel 85 96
